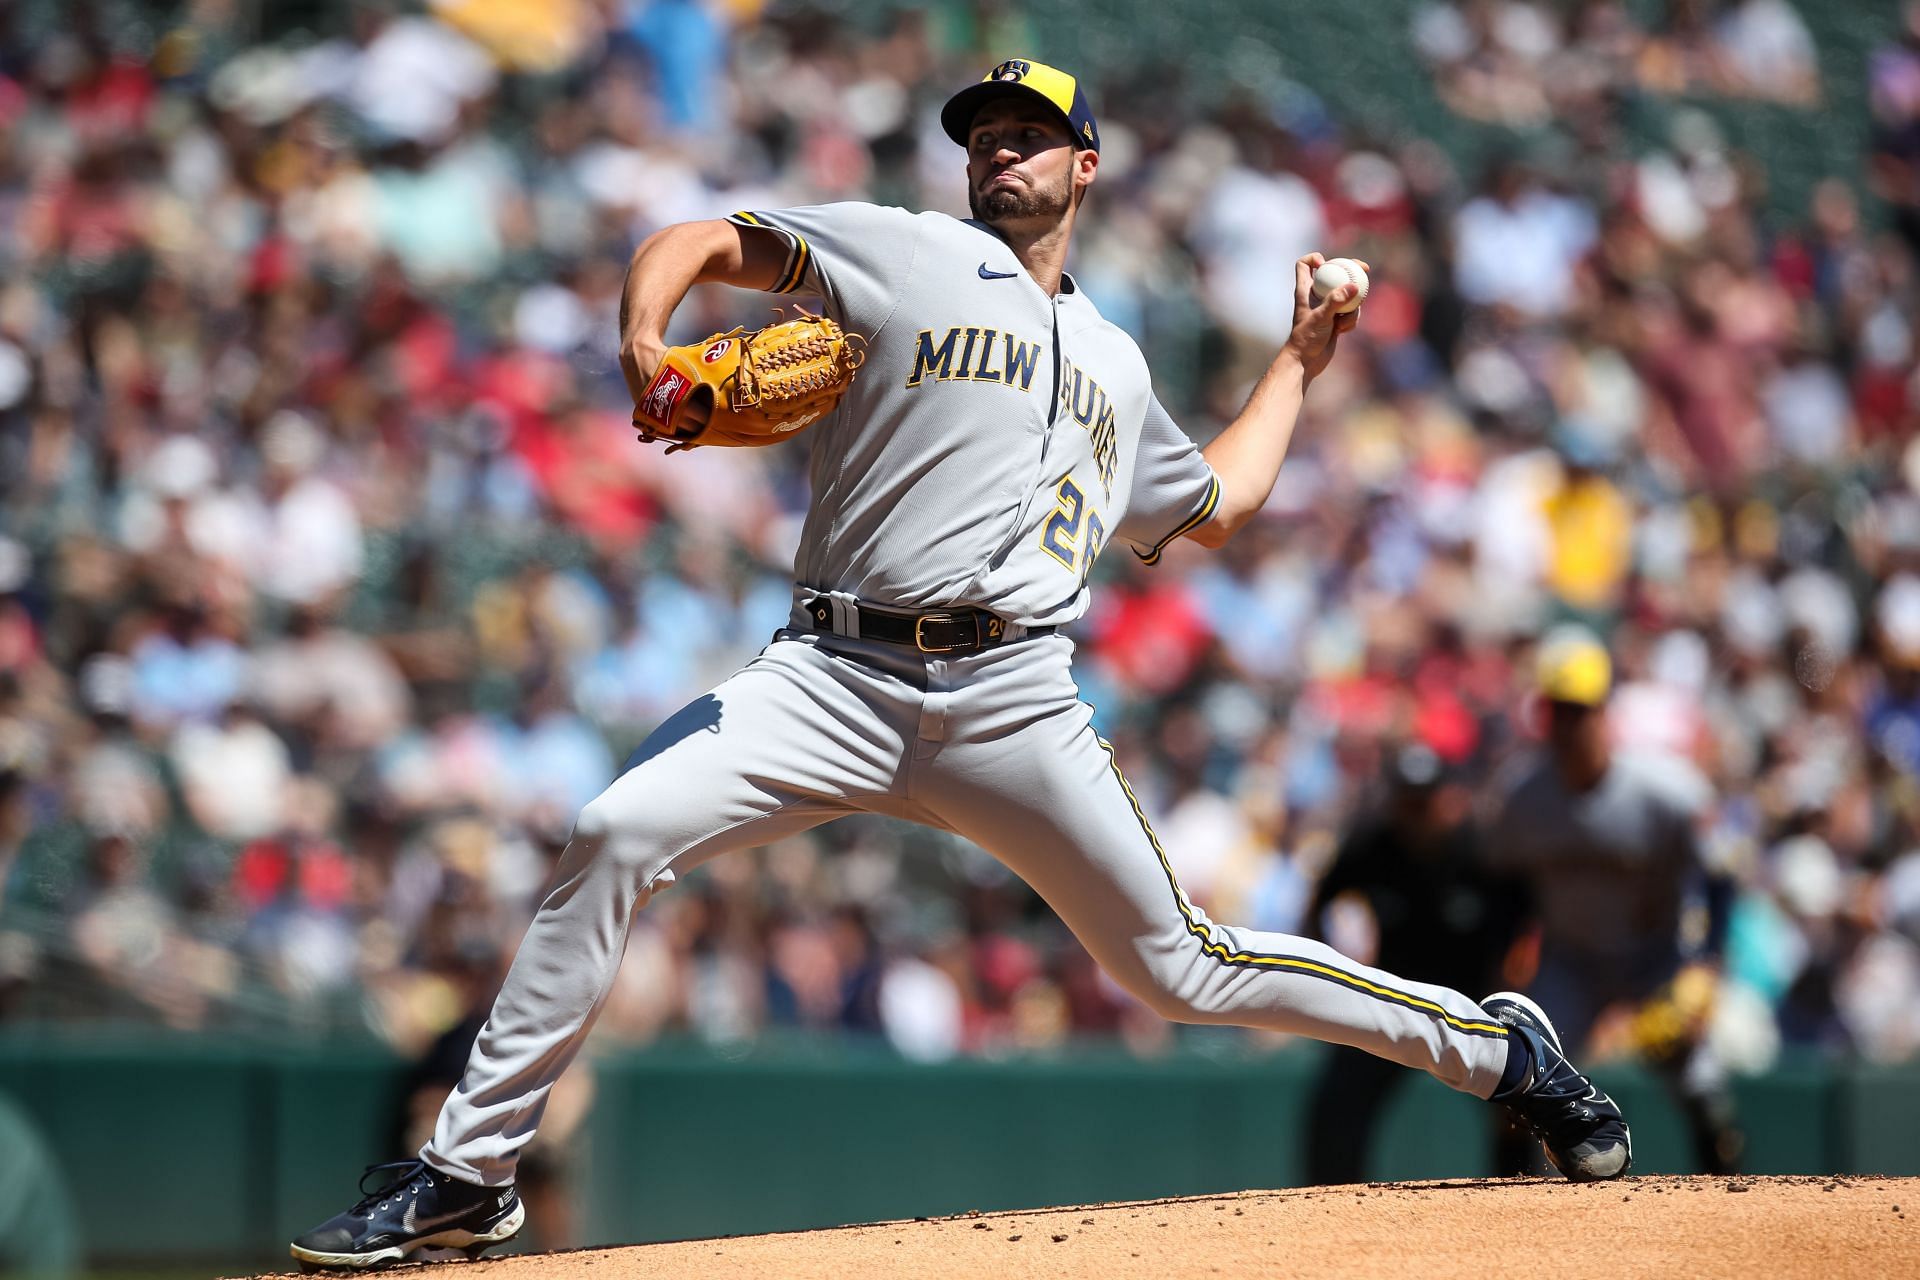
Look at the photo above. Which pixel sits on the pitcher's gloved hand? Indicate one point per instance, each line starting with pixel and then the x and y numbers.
pixel 749 389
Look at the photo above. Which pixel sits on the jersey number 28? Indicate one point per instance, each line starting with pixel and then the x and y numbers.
pixel 1060 536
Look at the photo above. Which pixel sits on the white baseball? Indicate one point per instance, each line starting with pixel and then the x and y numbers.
pixel 1334 273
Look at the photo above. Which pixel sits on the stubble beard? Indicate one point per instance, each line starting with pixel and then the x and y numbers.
pixel 1020 203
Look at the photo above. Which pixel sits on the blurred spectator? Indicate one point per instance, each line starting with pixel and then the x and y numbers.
pixel 685 44
pixel 1893 72
pixel 1590 525
pixel 233 774
pixel 1435 911
pixel 1521 63
pixel 411 75
pixel 309 544
pixel 1255 218
pixel 1741 48
pixel 1490 57
pixel 1768 52
pixel 1517 244
pixel 1608 848
pixel 184 670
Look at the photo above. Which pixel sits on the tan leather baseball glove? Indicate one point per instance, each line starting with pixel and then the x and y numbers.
pixel 754 388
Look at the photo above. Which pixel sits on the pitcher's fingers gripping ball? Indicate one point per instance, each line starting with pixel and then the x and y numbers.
pixel 1337 272
pixel 749 389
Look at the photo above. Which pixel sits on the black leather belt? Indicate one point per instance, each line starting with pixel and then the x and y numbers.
pixel 939 631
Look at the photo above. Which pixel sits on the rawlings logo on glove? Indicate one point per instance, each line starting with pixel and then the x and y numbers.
pixel 665 395
pixel 756 388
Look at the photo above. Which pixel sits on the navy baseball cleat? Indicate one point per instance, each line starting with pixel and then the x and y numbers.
pixel 418 1208
pixel 1582 1128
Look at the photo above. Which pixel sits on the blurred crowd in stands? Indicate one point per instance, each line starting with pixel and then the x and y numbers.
pixel 332 582
pixel 1522 62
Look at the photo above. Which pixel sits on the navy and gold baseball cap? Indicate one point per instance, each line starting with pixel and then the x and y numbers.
pixel 1023 77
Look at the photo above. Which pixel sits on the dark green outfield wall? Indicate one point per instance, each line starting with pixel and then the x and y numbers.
pixel 185 1150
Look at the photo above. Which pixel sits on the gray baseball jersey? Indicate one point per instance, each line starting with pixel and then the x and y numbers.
pixel 994 440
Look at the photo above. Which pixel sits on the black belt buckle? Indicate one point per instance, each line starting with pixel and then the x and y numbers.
pixel 919 633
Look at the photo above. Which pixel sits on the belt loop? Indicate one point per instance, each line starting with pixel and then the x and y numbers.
pixel 846 614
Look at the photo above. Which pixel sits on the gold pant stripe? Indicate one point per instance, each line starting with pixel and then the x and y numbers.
pixel 1292 963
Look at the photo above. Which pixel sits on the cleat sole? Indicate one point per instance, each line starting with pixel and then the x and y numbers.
pixel 471 1242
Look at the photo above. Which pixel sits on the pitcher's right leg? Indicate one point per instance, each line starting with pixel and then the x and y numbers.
pixel 797 737
pixel 651 826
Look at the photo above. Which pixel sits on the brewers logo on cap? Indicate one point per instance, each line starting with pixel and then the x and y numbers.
pixel 1019 77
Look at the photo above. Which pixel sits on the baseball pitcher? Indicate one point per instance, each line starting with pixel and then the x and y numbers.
pixel 980 434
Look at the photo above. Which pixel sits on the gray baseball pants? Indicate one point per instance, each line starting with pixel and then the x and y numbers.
pixel 996 747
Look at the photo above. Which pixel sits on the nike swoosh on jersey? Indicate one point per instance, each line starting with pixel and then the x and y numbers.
pixel 996 275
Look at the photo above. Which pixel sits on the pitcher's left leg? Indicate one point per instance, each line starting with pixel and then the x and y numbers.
pixel 1049 801
pixel 1014 765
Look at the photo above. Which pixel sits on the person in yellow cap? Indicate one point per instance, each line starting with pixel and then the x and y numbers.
pixel 1573 675
pixel 1607 846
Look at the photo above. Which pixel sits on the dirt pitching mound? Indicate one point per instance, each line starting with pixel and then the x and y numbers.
pixel 1740 1228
